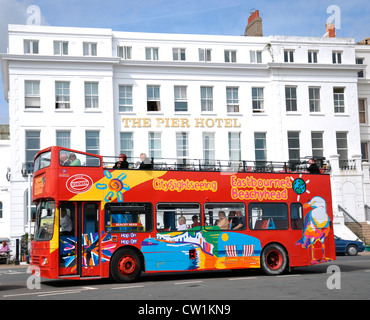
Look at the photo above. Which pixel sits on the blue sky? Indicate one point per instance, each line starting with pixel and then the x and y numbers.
pixel 220 17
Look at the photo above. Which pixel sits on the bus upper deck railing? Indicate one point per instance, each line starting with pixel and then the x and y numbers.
pixel 296 166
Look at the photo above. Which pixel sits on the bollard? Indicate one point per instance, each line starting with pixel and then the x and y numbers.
pixel 16 262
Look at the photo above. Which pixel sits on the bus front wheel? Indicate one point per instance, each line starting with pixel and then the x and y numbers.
pixel 274 259
pixel 126 266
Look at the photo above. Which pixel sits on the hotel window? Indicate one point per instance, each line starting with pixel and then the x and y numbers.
pixel 32 94
pixel 293 145
pixel 317 144
pixel 230 55
pixel 62 98
pixel 337 57
pixel 209 147
pixel 178 54
pixel 312 56
pixel 31 46
pixel 92 142
pixel 90 49
pixel 124 52
pixel 127 144
pixel 181 100
pixel 314 99
pixel 182 147
pixel 291 98
pixel 364 151
pixel 206 96
pixel 232 99
pixel 32 144
pixel 288 55
pixel 338 100
pixel 153 98
pixel 91 95
pixel 1 210
pixel 257 100
pixel 362 110
pixel 234 146
pixel 360 74
pixel 60 48
pixel 205 55
pixel 255 56
pixel 63 138
pixel 260 150
pixel 125 99
pixel 151 53
pixel 342 148
pixel 155 145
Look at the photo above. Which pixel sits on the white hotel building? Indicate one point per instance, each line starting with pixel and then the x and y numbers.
pixel 188 96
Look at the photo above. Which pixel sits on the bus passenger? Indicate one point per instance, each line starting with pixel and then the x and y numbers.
pixel 74 160
pixel 240 224
pixel 64 161
pixel 122 162
pixel 145 164
pixel 182 223
pixel 195 223
pixel 222 222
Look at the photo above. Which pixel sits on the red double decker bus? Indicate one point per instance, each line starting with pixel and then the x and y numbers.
pixel 94 221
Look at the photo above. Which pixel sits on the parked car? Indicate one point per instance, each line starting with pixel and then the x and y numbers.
pixel 349 247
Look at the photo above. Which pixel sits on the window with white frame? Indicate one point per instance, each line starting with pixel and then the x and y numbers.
pixel 314 99
pixel 91 95
pixel 342 148
pixel 291 98
pixel 234 146
pixel 257 100
pixel 155 145
pixel 181 100
pixel 32 94
pixel 337 57
pixel 178 54
pixel 288 55
pixel 312 56
pixel 62 96
pixel 209 146
pixel 205 55
pixel 92 141
pixel 127 144
pixel 32 144
pixel 255 56
pixel 31 46
pixel 151 53
pixel 232 99
pixel 63 138
pixel 338 100
pixel 125 98
pixel 153 98
pixel 260 149
pixel 124 52
pixel 90 49
pixel 317 142
pixel 362 110
pixel 360 74
pixel 293 145
pixel 230 55
pixel 182 147
pixel 206 96
pixel 61 48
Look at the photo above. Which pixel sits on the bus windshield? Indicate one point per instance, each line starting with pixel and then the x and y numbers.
pixel 42 161
pixel 45 216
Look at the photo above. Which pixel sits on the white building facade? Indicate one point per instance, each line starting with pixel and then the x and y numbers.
pixel 187 97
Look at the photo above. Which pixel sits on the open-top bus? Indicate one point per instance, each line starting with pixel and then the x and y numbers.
pixel 95 222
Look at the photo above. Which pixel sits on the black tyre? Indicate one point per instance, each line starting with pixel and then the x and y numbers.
pixel 126 266
pixel 274 259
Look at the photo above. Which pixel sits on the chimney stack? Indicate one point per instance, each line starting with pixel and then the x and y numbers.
pixel 330 30
pixel 254 27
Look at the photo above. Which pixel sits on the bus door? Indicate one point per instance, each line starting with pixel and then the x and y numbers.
pixel 79 252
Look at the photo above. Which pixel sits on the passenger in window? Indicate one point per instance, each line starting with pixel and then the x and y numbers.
pixel 313 168
pixel 182 223
pixel 232 219
pixel 65 222
pixel 64 161
pixel 222 222
pixel 74 160
pixel 145 164
pixel 196 222
pixel 240 224
pixel 122 162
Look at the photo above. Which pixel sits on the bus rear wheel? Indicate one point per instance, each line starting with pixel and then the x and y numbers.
pixel 274 259
pixel 126 266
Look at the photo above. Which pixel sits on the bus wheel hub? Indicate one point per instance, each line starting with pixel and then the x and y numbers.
pixel 127 265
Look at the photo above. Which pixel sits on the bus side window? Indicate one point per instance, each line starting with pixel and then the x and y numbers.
pixel 224 216
pixel 67 219
pixel 296 216
pixel 268 216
